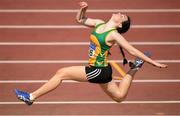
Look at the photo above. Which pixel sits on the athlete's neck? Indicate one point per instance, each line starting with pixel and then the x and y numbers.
pixel 112 24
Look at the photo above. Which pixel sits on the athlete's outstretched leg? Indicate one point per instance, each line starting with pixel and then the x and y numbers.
pixel 76 73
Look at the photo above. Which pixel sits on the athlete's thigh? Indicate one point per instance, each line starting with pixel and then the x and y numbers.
pixel 76 73
pixel 110 88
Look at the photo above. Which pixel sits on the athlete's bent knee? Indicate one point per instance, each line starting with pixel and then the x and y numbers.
pixel 119 97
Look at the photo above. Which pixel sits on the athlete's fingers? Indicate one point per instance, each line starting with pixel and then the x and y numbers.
pixel 163 66
pixel 160 65
pixel 83 4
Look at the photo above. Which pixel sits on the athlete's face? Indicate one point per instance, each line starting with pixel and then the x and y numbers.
pixel 119 18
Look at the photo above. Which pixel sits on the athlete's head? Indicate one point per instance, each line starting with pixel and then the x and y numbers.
pixel 123 22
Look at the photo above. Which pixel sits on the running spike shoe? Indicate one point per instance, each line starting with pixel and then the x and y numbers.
pixel 23 96
pixel 138 62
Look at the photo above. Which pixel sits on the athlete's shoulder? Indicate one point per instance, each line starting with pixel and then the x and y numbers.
pixel 92 22
pixel 99 21
pixel 114 35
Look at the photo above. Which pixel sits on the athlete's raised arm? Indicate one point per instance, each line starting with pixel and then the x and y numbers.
pixel 133 51
pixel 82 19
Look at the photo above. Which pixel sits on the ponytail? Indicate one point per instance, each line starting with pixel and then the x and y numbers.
pixel 125 27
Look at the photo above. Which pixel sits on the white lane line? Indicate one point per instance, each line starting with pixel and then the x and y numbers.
pixel 155 43
pixel 77 26
pixel 86 115
pixel 29 81
pixel 93 102
pixel 160 114
pixel 71 81
pixel 42 27
pixel 89 10
pixel 80 43
pixel 155 26
pixel 42 61
pixel 90 115
pixel 67 61
pixel 45 43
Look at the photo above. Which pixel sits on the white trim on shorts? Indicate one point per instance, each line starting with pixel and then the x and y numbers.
pixel 93 74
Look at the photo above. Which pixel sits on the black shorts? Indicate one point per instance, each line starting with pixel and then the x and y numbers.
pixel 99 74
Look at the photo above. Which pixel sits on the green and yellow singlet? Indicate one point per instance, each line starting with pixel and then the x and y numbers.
pixel 98 49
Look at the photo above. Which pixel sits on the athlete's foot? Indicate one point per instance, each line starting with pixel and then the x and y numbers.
pixel 23 96
pixel 138 62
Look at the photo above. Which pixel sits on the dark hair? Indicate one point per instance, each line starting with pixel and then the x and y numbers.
pixel 125 26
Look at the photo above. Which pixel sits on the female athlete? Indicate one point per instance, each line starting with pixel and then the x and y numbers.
pixel 103 37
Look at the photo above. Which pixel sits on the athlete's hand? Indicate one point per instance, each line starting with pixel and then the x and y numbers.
pixel 159 65
pixel 83 5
